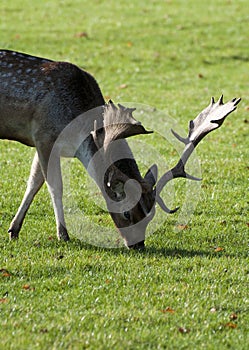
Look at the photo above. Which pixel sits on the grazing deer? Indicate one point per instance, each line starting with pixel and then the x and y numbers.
pixel 40 98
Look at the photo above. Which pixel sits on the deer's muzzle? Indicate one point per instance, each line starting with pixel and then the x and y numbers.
pixel 137 246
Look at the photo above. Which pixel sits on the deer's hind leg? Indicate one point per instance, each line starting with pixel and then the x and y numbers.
pixel 35 181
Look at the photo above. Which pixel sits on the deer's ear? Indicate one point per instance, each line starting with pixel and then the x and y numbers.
pixel 151 175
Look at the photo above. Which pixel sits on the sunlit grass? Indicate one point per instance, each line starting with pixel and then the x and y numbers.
pixel 189 289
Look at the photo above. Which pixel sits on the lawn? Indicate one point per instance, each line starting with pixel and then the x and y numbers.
pixel 190 288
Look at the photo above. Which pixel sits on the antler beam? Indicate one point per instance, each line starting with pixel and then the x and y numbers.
pixel 211 118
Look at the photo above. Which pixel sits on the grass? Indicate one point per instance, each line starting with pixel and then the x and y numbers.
pixel 189 289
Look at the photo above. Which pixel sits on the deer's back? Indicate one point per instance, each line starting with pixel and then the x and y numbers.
pixel 39 95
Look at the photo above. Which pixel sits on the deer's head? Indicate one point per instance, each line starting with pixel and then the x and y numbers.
pixel 130 197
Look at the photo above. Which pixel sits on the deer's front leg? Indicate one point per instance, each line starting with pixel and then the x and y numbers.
pixel 36 179
pixel 51 169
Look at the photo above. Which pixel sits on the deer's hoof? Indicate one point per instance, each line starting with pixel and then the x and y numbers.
pixel 13 234
pixel 62 234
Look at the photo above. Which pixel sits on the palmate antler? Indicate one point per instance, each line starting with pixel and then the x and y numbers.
pixel 118 123
pixel 209 119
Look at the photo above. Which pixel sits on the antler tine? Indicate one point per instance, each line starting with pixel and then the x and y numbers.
pixel 126 109
pixel 209 119
pixel 220 101
pixel 119 123
pixel 184 140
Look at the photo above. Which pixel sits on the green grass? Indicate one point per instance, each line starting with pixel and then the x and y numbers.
pixel 173 55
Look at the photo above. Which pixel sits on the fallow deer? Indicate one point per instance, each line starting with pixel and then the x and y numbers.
pixel 40 98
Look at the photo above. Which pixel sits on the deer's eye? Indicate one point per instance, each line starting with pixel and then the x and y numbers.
pixel 127 215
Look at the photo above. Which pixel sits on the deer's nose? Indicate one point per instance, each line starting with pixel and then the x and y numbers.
pixel 137 246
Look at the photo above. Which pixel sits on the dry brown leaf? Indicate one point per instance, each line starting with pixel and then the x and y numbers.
pixel 5 273
pixel 231 325
pixel 123 86
pixel 168 310
pixel 182 227
pixel 3 300
pixel 28 287
pixel 81 35
pixel 218 249
pixel 183 330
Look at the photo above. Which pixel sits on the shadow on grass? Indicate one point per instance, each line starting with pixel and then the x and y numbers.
pixel 214 61
pixel 235 58
pixel 74 245
pixel 150 251
pixel 155 251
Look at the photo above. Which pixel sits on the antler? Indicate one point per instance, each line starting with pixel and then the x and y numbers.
pixel 118 123
pixel 209 119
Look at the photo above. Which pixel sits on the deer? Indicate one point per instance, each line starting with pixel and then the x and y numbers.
pixel 41 99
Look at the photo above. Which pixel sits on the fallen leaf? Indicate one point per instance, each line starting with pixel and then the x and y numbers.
pixel 218 249
pixel 168 309
pixel 81 35
pixel 123 86
pixel 233 316
pixel 231 325
pixel 3 300
pixel 5 273
pixel 27 287
pixel 183 330
pixel 182 227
